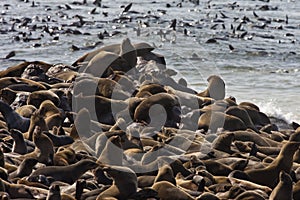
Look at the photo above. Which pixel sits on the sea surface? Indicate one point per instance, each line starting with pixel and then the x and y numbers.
pixel 254 45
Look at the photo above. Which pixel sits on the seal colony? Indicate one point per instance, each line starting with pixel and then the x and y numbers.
pixel 117 125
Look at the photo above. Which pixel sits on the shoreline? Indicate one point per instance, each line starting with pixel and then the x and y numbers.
pixel 150 127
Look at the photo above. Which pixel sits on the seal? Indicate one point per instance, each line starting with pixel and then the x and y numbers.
pixel 26 110
pixel 112 154
pixel 37 97
pixel 215 88
pixel 19 145
pixel 36 119
pixel 140 48
pixel 165 173
pixel 153 88
pixel 168 102
pixel 124 61
pixel 168 191
pixel 68 174
pixel 13 119
pixel 207 196
pixel 8 95
pixel 296 190
pixel 258 118
pixel 24 169
pixel 64 156
pixel 223 142
pixel 124 183
pixel 213 120
pixel 17 70
pixel 44 146
pixel 243 115
pixel 284 189
pixel 54 192
pixel 249 195
pixel 269 176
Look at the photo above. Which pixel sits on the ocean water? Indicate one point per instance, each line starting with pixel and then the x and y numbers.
pixel 262 66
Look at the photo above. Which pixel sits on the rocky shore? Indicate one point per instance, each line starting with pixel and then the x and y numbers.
pixel 116 125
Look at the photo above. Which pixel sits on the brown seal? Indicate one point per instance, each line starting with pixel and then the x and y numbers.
pixel 223 142
pixel 168 191
pixel 17 70
pixel 165 173
pixel 213 120
pixel 8 95
pixel 26 110
pixel 37 97
pixel 269 176
pixel 68 174
pixel 36 119
pixel 19 145
pixel 124 61
pixel 207 196
pixel 54 192
pixel 151 89
pixel 243 115
pixel 140 48
pixel 215 88
pixel 250 195
pixel 124 184
pixel 44 146
pixel 284 189
pixel 64 156
pixel 258 118
pixel 112 154
pixel 168 102
pixel 13 119
pixel 24 169
pixel 296 190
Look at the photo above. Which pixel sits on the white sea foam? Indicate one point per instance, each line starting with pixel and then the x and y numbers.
pixel 271 108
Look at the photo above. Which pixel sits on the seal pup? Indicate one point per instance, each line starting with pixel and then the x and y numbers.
pixel 284 189
pixel 215 88
pixel 68 174
pixel 124 183
pixel 13 119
